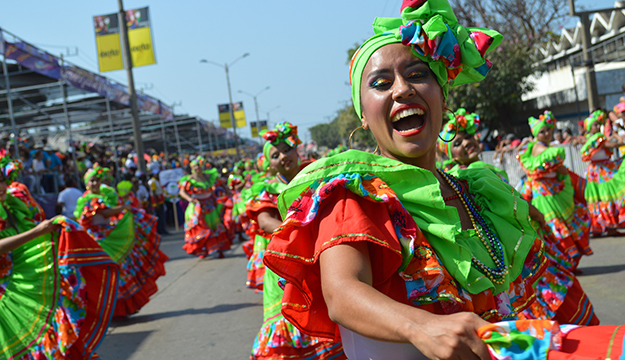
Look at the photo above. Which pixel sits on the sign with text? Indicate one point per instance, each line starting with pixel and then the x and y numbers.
pixel 108 42
pixel 258 126
pixel 224 115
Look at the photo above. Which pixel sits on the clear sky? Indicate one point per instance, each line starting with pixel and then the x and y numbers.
pixel 299 51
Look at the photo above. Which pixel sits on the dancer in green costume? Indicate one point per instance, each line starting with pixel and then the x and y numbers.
pixel 554 190
pixel 278 338
pixel 605 187
pixel 113 227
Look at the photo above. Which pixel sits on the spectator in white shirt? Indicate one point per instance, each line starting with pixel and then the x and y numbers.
pixel 66 203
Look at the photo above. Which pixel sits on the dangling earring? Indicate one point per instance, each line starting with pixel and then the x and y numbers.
pixel 349 142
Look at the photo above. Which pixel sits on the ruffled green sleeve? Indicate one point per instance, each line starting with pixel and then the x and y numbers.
pixel 543 164
pixel 111 198
pixel 592 145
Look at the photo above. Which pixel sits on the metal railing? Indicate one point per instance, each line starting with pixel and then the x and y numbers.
pixel 510 164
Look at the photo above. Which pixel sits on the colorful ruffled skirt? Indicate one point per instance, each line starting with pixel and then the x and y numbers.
pixel 567 217
pixel 278 339
pixel 605 194
pixel 134 244
pixel 559 295
pixel 56 310
pixel 255 266
pixel 204 231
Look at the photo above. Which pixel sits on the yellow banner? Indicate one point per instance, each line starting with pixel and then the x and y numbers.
pixel 109 52
pixel 230 151
pixel 254 127
pixel 224 115
pixel 141 49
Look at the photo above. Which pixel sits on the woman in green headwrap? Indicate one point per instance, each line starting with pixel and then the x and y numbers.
pixel 458 142
pixel 125 237
pixel 388 247
pixel 205 233
pixel 57 286
pixel 605 188
pixel 278 338
pixel 552 189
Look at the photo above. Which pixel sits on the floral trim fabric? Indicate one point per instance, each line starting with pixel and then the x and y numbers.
pixel 543 164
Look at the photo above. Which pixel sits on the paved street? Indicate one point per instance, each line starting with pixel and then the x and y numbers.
pixel 204 311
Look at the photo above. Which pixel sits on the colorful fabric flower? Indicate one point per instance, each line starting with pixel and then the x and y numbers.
pixel 455 54
pixel 546 119
pixel 598 115
pixel 459 121
pixel 10 168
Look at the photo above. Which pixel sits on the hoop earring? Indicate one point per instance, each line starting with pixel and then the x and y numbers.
pixel 450 140
pixel 349 142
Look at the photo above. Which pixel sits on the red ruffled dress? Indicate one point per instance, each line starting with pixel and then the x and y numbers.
pixel 132 241
pixel 349 206
pixel 204 229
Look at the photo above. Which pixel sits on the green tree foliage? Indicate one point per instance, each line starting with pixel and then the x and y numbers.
pixel 524 25
pixel 338 130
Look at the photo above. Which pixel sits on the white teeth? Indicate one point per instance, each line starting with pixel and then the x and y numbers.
pixel 408 112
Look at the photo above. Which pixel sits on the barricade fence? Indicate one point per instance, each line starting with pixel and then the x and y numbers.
pixel 509 162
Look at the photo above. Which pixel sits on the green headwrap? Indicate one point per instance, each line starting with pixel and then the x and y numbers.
pixel 546 119
pixel 593 118
pixel 455 54
pixel 284 132
pixel 101 173
pixel 458 122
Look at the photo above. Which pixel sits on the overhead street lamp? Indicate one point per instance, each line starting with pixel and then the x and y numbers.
pixel 255 105
pixel 271 110
pixel 226 67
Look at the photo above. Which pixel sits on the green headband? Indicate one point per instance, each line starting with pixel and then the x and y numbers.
pixel 455 54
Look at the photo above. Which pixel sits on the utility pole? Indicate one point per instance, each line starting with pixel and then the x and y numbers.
pixel 591 79
pixel 136 125
pixel 176 127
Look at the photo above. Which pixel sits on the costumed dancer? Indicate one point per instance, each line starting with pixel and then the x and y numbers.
pixel 605 187
pixel 118 231
pixel 278 338
pixel 258 237
pixel 555 191
pixel 560 296
pixel 205 233
pixel 387 247
pixel 57 288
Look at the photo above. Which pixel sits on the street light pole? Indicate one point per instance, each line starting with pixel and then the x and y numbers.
pixel 256 106
pixel 136 125
pixel 226 67
pixel 275 108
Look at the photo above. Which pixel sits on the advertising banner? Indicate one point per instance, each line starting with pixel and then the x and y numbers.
pixel 108 42
pixel 33 58
pixel 224 115
pixel 257 127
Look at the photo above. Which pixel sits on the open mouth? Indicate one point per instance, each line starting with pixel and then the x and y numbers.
pixel 409 121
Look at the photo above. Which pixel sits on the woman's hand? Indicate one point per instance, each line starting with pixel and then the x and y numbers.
pixel 127 207
pixel 451 337
pixel 46 226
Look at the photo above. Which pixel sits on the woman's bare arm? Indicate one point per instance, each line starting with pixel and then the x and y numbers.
pixel 113 211
pixel 12 242
pixel 269 220
pixel 346 278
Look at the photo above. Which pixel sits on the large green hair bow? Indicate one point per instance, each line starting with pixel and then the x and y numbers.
pixel 455 54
